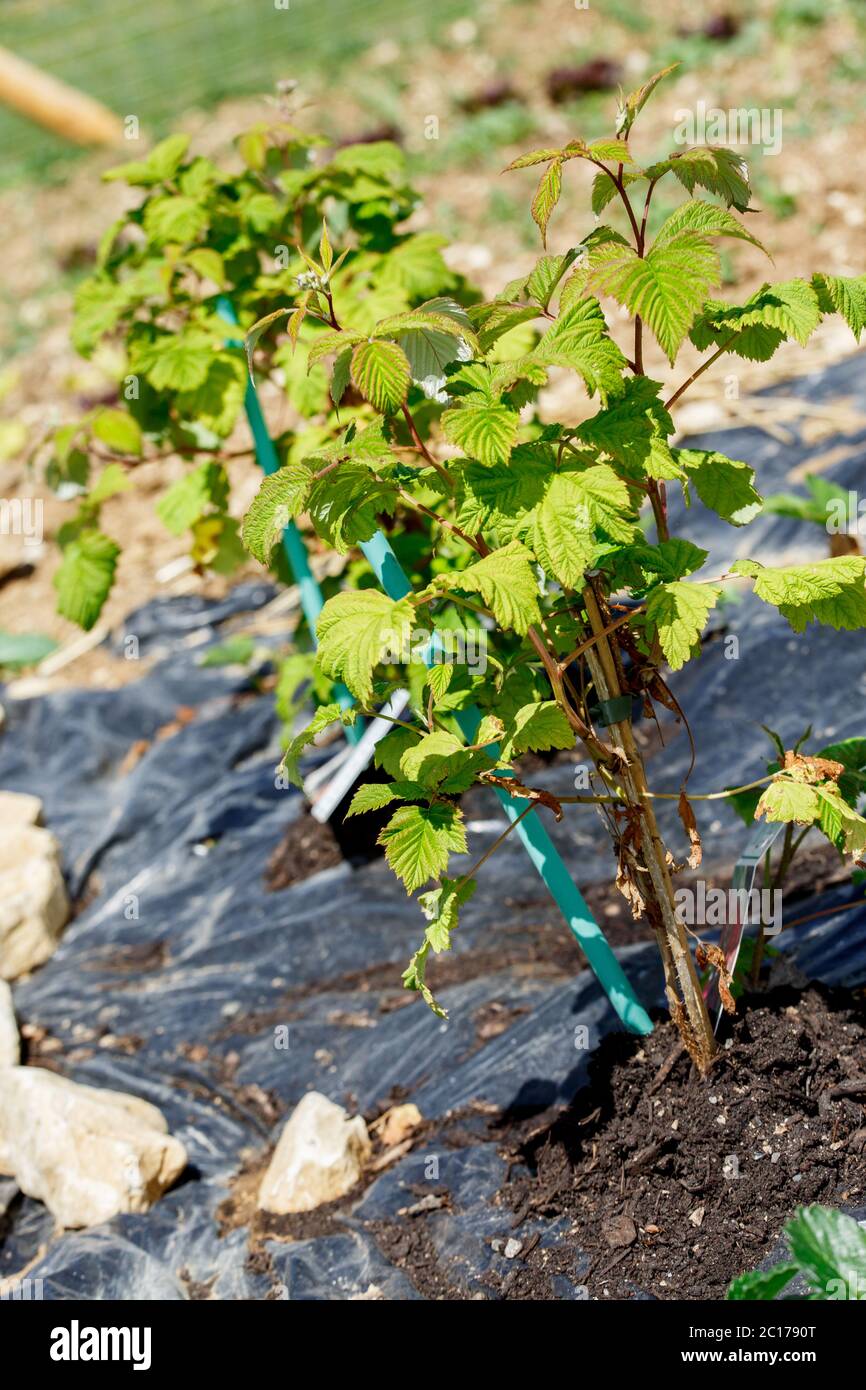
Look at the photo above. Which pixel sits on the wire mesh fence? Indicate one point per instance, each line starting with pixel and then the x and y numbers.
pixel 160 58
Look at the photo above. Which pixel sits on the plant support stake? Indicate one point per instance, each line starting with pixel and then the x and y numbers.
pixel 535 840
pixel 293 542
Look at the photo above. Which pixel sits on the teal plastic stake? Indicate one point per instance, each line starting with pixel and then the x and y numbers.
pixel 293 542
pixel 535 840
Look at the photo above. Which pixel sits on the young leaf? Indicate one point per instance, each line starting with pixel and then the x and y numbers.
pixel 678 612
pixel 281 496
pixel 118 430
pixel 419 841
pixel 380 370
pixel 375 795
pixel 427 760
pixel 718 169
pixel 560 531
pixel 441 906
pixel 196 493
pixel 707 219
pixel 666 287
pixel 846 295
pixel 634 103
pixel 355 630
pixel 547 197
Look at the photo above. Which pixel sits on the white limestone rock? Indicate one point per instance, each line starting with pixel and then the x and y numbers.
pixel 320 1156
pixel 87 1153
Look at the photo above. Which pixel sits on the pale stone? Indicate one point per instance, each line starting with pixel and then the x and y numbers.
pixel 398 1123
pixel 19 808
pixel 87 1153
pixel 34 906
pixel 10 1048
pixel 320 1156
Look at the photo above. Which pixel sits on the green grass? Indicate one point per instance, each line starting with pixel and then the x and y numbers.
pixel 158 60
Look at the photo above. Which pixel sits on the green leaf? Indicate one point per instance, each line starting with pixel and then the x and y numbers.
pixel 419 841
pixel 236 651
pixel 413 978
pixel 355 630
pixel 85 576
pixel 192 496
pixel 344 506
pixel 826 591
pixel 724 485
pixel 161 164
pixel 341 375
pixel 111 481
pixel 325 716
pixel 547 197
pixel 535 728
pixel 441 907
pixel 281 497
pixel 761 1285
pixel 525 161
pixel 486 431
pixel 828 1246
pixel 666 287
pixel 755 329
pixel 716 168
pixel 427 760
pixel 708 219
pixel 375 795
pixel 176 362
pixel 439 678
pixel 579 339
pixel 561 533
pixel 118 430
pixel 441 333
pixel 21 649
pixel 207 263
pixel 380 371
pixel 846 295
pixel 678 613
pixel 174 218
pixel 788 800
pixel 633 430
pixel 842 825
pixel 634 103
pixel 507 584
pixel 851 753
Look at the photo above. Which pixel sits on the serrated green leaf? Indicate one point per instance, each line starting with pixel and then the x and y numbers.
pixel 724 485
pixel 84 578
pixel 427 759
pixel 161 164
pixel 678 613
pixel 355 630
pixel 280 498
pixel 579 339
pixel 485 431
pixel 707 219
pixel 636 101
pixel 380 371
pixel 787 800
pixel 324 717
pixel 715 167
pixel 507 584
pixel 419 840
pixel 762 1285
pixel 845 295
pixel 441 907
pixel 176 362
pixel 666 288
pixel 535 728
pixel 826 591
pixel 560 532
pixel 174 218
pixel 828 1248
pixel 345 505
pixel 375 795
pixel 547 197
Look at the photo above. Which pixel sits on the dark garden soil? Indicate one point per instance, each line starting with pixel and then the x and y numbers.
pixel 306 848
pixel 673 1184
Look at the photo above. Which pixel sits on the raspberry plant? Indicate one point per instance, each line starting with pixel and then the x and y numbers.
pixel 582 605
pixel 416 405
